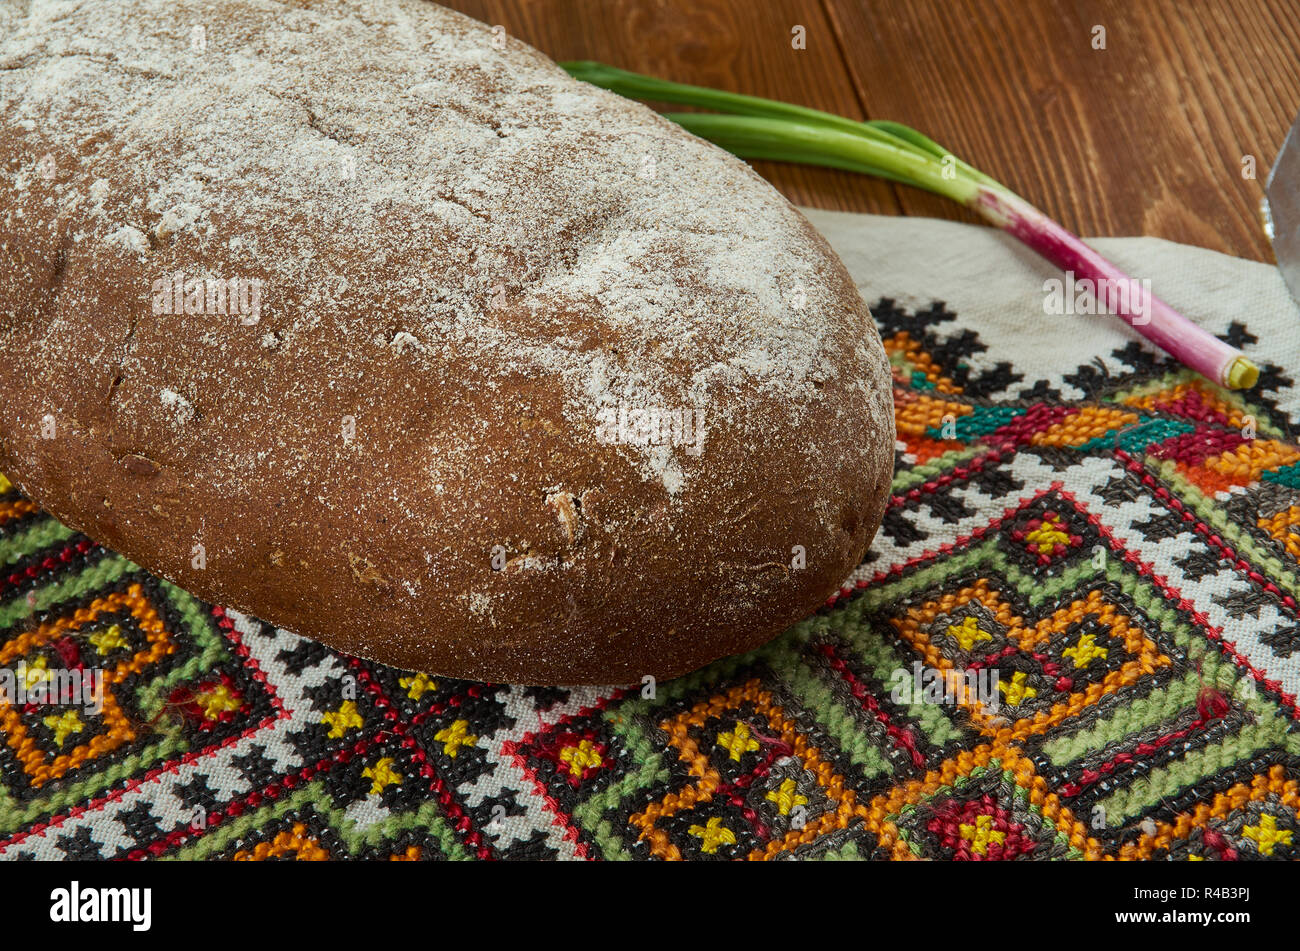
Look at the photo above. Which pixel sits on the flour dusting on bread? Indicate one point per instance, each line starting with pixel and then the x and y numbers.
pixel 546 196
pixel 435 354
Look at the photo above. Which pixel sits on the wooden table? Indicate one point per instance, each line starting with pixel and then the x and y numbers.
pixel 1157 133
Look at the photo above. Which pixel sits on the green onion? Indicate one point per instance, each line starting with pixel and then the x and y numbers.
pixel 755 128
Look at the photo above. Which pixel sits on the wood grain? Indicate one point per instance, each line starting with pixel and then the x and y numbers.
pixel 726 44
pixel 1146 136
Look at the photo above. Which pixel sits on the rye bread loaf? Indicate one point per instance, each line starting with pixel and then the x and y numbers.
pixel 366 319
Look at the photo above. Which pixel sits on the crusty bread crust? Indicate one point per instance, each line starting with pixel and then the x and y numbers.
pixel 455 283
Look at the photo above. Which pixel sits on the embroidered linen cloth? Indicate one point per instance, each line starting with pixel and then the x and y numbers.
pixel 1075 637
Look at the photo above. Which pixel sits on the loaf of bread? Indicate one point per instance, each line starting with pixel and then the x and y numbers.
pixel 365 318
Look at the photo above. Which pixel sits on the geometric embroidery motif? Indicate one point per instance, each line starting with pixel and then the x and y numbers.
pixel 1121 572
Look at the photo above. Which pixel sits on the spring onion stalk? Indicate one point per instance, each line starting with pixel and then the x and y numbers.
pixel 755 128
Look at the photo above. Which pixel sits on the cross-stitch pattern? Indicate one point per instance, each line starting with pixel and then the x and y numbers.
pixel 1126 565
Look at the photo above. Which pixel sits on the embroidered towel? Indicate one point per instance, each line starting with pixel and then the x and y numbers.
pixel 1074 637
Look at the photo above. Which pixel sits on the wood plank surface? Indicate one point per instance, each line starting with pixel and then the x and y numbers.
pixel 726 44
pixel 1145 136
